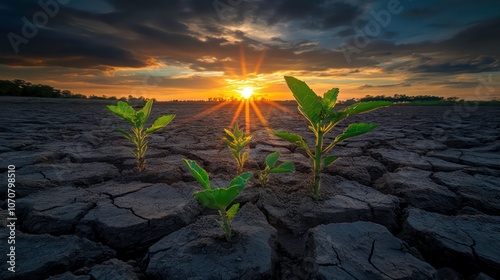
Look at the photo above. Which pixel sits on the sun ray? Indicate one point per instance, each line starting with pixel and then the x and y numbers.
pixel 247 117
pixel 245 86
pixel 237 114
pixel 259 115
pixel 259 63
pixel 280 107
pixel 228 71
pixel 205 112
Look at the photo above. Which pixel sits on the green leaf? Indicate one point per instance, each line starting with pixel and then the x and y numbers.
pixel 232 211
pixel 237 132
pixel 241 180
pixel 334 117
pixel 124 111
pixel 217 199
pixel 355 129
pixel 364 107
pixel 285 167
pixel 230 144
pixel 291 137
pixel 328 160
pixel 236 140
pixel 198 173
pixel 127 135
pixel 220 198
pixel 309 103
pixel 244 157
pixel 230 136
pixel 143 114
pixel 330 98
pixel 247 139
pixel 209 198
pixel 272 158
pixel 160 123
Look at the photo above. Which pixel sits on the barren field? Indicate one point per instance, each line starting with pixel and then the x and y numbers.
pixel 417 198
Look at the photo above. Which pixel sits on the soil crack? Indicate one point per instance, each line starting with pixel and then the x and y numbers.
pixel 344 270
pixel 472 246
pixel 372 210
pixel 337 255
pixel 44 176
pixel 372 250
pixel 460 157
pixel 130 209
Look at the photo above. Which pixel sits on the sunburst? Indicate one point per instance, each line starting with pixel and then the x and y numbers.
pixel 247 88
pixel 246 92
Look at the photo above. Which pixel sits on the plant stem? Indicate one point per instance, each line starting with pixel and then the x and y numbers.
pixel 238 167
pixel 141 150
pixel 237 156
pixel 263 178
pixel 226 225
pixel 317 164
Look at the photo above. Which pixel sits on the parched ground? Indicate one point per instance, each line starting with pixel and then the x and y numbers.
pixel 417 198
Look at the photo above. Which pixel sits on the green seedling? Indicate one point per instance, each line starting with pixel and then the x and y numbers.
pixel 271 160
pixel 236 141
pixel 139 135
pixel 322 118
pixel 218 198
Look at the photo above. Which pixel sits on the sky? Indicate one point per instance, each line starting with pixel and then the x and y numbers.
pixel 196 49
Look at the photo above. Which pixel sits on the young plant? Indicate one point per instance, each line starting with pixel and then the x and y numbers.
pixel 218 198
pixel 236 141
pixel 271 160
pixel 322 117
pixel 138 119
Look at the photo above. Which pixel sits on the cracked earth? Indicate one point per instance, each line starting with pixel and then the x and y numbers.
pixel 417 198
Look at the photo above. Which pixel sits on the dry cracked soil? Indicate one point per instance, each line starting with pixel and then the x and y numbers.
pixel 417 198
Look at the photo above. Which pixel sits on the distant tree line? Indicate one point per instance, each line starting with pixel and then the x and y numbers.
pixel 398 98
pixel 234 98
pixel 407 98
pixel 22 88
pixel 403 98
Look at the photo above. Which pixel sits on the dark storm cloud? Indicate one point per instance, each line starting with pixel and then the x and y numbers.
pixel 345 33
pixel 312 14
pixel 471 50
pixel 457 68
pixel 130 34
pixel 63 49
pixel 53 43
pixel 419 13
pixel 483 38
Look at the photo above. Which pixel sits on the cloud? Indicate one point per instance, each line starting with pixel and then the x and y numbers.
pixel 482 38
pixel 285 35
pixel 419 12
pixel 471 66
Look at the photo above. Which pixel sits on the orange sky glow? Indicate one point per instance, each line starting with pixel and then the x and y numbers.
pixel 191 50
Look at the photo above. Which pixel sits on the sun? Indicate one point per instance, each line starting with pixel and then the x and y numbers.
pixel 247 92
